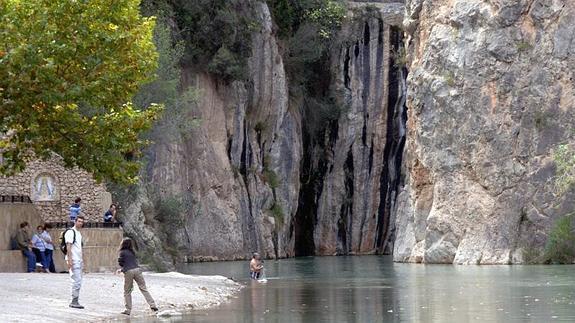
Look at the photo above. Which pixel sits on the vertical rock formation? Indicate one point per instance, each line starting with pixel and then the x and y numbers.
pixel 250 176
pixel 351 194
pixel 490 95
pixel 237 170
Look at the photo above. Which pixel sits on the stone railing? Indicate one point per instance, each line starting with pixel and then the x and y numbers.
pixel 15 199
pixel 64 224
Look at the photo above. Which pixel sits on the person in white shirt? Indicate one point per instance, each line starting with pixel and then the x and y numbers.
pixel 73 239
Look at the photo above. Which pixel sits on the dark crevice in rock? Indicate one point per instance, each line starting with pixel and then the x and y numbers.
pixel 370 160
pixel 275 243
pixel 380 33
pixel 229 147
pixel 245 156
pixel 390 180
pixel 314 167
pixel 259 137
pixel 249 229
pixel 364 133
pixel 346 213
pixel 366 73
pixel 346 77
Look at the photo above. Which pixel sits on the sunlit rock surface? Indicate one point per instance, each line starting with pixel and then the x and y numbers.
pixel 490 95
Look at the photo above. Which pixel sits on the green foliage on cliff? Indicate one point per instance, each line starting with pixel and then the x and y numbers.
pixel 278 214
pixel 68 71
pixel 564 157
pixel 216 34
pixel 169 211
pixel 325 15
pixel 560 247
pixel 227 65
pixel 308 28
pixel 271 178
pixel 165 89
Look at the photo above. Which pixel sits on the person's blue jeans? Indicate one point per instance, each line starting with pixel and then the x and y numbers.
pixel 50 260
pixel 31 260
pixel 43 260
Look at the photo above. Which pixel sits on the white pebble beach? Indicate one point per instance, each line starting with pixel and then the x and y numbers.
pixel 45 297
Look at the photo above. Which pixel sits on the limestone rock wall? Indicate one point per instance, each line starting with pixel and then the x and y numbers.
pixel 240 166
pixel 238 163
pixel 490 95
pixel 351 215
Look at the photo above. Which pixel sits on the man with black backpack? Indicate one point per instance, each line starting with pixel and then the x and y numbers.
pixel 72 247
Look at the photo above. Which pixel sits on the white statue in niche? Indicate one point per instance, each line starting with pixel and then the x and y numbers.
pixel 44 188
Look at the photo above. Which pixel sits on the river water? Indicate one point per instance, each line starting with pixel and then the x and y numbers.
pixel 374 289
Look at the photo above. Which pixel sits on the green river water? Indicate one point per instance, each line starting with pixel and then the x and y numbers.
pixel 374 289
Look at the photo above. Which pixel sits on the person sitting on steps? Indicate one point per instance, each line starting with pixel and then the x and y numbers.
pixel 110 215
pixel 49 248
pixel 39 248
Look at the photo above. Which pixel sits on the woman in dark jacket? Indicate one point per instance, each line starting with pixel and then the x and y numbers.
pixel 127 260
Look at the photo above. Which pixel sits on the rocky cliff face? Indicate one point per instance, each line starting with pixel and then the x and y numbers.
pixel 351 195
pixel 250 176
pixel 490 95
pixel 240 161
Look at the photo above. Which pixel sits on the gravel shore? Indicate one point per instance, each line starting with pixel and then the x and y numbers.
pixel 45 297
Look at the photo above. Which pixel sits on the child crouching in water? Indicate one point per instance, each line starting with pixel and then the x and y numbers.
pixel 127 260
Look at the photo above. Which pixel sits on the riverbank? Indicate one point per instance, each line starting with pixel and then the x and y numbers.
pixel 45 297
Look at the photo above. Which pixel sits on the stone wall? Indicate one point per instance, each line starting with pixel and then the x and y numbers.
pixel 53 187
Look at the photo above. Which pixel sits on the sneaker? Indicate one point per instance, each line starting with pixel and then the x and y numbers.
pixel 39 265
pixel 126 312
pixel 155 309
pixel 76 305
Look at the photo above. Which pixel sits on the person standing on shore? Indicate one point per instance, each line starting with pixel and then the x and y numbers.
pixel 75 209
pixel 25 245
pixel 132 272
pixel 73 240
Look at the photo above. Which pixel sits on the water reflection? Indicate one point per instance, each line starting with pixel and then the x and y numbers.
pixel 374 289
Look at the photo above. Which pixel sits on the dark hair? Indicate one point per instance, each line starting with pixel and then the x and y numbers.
pixel 40 227
pixel 77 200
pixel 113 204
pixel 23 224
pixel 80 217
pixel 127 244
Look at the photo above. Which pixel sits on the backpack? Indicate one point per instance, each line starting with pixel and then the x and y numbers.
pixel 63 246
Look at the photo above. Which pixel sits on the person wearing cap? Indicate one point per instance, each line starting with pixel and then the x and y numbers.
pixel 256 266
